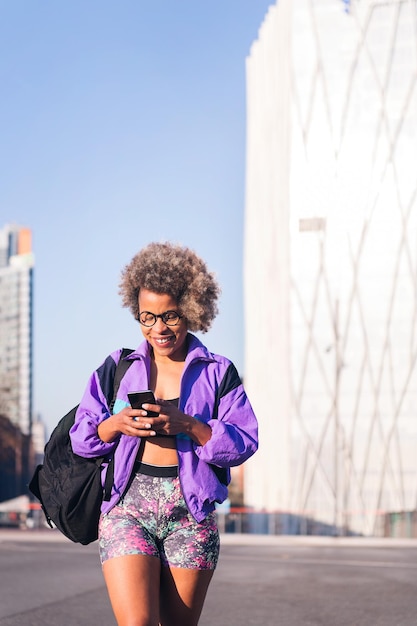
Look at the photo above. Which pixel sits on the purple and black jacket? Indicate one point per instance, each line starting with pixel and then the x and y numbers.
pixel 206 376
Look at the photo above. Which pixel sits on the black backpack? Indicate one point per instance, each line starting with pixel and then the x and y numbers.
pixel 69 486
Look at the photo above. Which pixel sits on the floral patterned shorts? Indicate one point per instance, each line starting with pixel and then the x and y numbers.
pixel 152 519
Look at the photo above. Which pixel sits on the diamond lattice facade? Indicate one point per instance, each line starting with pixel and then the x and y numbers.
pixel 331 260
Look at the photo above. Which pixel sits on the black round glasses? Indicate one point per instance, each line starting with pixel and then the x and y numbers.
pixel 170 318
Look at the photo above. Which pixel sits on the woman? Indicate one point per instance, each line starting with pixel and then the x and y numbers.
pixel 158 537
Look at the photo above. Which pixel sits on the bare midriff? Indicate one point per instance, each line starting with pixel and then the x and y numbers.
pixel 160 450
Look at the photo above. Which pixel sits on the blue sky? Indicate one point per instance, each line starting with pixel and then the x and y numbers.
pixel 121 123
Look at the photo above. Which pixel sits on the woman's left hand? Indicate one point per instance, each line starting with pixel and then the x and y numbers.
pixel 172 421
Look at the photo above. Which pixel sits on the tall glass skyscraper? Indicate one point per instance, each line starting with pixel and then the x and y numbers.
pixel 16 287
pixel 331 260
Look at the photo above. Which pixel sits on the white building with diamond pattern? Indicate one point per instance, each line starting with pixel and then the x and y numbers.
pixel 331 260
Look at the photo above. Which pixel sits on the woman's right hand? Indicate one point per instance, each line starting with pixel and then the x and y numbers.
pixel 132 422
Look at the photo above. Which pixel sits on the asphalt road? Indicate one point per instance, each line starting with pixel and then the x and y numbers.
pixel 261 581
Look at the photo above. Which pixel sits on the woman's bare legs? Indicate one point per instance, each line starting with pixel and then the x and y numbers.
pixel 183 592
pixel 133 583
pixel 144 594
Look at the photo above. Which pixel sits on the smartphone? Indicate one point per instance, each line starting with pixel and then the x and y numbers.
pixel 137 398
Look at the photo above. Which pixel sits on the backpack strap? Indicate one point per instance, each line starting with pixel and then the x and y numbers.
pixel 121 369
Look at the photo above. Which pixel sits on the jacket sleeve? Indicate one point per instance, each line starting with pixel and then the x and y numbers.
pixel 92 410
pixel 234 436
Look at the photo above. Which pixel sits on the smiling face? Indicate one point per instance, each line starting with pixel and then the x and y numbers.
pixel 167 341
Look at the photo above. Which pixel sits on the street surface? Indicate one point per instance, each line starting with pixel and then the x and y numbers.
pixel 261 581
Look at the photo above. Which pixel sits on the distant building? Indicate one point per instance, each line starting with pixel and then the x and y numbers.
pixel 16 303
pixel 331 260
pixel 38 439
pixel 16 460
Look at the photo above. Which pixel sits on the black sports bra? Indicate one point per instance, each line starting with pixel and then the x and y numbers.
pixel 175 402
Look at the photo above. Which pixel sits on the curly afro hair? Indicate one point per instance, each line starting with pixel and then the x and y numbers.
pixel 178 272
